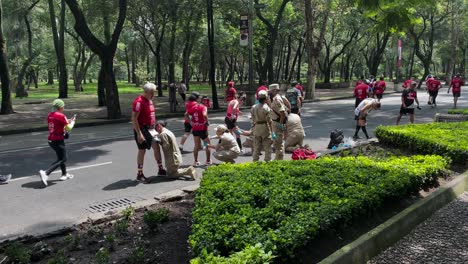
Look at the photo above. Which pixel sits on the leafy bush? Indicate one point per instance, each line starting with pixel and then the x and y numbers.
pixel 252 254
pixel 154 218
pixel 59 258
pixel 137 256
pixel 17 253
pixel 445 139
pixel 283 205
pixel 102 256
pixel 458 111
pixel 121 227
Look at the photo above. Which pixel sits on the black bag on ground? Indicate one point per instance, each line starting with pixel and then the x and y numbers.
pixel 336 137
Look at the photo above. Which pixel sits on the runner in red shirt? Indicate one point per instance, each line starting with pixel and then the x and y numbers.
pixel 408 97
pixel 456 85
pixel 58 125
pixel 360 92
pixel 192 101
pixel 300 88
pixel 144 120
pixel 233 112
pixel 230 92
pixel 198 114
pixel 379 88
pixel 407 83
pixel 433 86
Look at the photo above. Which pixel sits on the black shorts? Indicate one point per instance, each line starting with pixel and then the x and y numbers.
pixel 405 111
pixel 187 127
pixel 295 110
pixel 456 94
pixel 230 123
pixel 379 96
pixel 148 139
pixel 433 93
pixel 202 134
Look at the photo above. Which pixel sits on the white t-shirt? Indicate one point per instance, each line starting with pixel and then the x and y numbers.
pixel 364 103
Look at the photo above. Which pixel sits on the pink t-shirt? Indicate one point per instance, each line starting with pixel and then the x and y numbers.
pixel 56 122
pixel 198 118
pixel 146 109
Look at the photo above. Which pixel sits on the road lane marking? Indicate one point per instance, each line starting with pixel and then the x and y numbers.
pixel 71 169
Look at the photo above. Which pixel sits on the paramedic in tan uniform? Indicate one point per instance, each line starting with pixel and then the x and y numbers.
pixel 294 133
pixel 278 115
pixel 172 155
pixel 227 149
pixel 261 121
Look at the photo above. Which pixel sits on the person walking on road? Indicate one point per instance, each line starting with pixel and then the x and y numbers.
pixel 182 89
pixel 227 150
pixel 294 133
pixel 408 97
pixel 230 92
pixel 233 111
pixel 261 128
pixel 456 85
pixel 360 115
pixel 295 99
pixel 433 85
pixel 279 117
pixel 59 126
pixel 172 154
pixel 198 115
pixel 192 101
pixel 360 92
pixel 144 120
pixel 379 88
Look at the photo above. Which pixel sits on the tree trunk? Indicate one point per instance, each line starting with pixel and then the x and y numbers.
pixel 50 77
pixel 288 57
pixel 7 106
pixel 172 51
pixel 20 89
pixel 453 48
pixel 59 44
pixel 127 61
pixel 212 53
pixel 107 79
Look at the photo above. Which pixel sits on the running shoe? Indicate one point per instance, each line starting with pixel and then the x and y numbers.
pixel 208 163
pixel 162 172
pixel 5 178
pixel 66 177
pixel 141 178
pixel 196 164
pixel 44 177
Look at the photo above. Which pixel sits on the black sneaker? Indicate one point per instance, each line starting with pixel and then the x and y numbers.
pixel 356 137
pixel 141 178
pixel 162 172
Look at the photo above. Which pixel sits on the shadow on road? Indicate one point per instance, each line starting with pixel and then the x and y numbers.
pixel 38 184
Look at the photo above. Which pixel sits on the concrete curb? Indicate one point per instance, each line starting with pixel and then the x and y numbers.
pixel 386 234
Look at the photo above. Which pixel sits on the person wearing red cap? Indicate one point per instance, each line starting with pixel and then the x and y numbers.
pixel 456 85
pixel 263 87
pixel 230 92
pixel 360 92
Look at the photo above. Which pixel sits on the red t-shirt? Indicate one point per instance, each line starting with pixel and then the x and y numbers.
pixel 56 122
pixel 433 85
pixel 146 109
pixel 360 91
pixel 379 87
pixel 188 106
pixel 456 85
pixel 300 88
pixel 198 118
pixel 261 88
pixel 230 94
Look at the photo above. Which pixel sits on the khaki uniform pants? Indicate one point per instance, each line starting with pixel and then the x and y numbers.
pixel 278 143
pixel 293 140
pixel 174 171
pixel 226 156
pixel 261 143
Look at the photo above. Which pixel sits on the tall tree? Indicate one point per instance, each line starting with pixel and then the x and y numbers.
pixel 211 46
pixel 7 106
pixel 59 44
pixel 106 53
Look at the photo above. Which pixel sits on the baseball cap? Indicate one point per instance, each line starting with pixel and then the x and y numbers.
pixel 58 103
pixel 149 87
pixel 273 87
pixel 221 127
pixel 262 94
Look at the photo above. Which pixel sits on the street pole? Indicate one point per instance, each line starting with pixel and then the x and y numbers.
pixel 251 93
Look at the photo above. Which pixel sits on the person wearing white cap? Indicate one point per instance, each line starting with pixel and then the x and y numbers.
pixel 261 127
pixel 172 154
pixel 279 117
pixel 227 150
pixel 408 96
pixel 144 121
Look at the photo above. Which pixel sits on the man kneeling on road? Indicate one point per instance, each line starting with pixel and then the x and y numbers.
pixel 172 154
pixel 294 133
pixel 227 149
pixel 143 120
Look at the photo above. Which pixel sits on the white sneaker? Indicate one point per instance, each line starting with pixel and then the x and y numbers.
pixel 66 177
pixel 44 177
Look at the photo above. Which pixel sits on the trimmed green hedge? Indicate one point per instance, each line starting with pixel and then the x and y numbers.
pixel 458 111
pixel 445 139
pixel 282 204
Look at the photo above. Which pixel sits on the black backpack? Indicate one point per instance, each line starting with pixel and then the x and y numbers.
pixel 336 137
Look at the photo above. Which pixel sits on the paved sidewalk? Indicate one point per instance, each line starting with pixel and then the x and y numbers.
pixel 443 238
pixel 31 114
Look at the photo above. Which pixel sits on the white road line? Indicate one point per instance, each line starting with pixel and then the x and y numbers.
pixel 71 169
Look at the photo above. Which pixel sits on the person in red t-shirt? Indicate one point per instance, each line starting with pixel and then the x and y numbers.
pixel 198 115
pixel 192 101
pixel 300 88
pixel 58 125
pixel 230 92
pixel 144 120
pixel 407 83
pixel 408 97
pixel 433 85
pixel 263 87
pixel 360 92
pixel 379 88
pixel 456 85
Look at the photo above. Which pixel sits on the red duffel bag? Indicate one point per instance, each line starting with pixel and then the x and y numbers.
pixel 303 154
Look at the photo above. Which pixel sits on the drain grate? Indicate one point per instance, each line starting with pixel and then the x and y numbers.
pixel 112 204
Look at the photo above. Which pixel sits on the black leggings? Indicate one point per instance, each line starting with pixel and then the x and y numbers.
pixel 59 147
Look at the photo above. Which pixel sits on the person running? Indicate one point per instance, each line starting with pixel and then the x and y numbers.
pixel 360 92
pixel 198 115
pixel 143 121
pixel 192 101
pixel 227 149
pixel 408 97
pixel 456 85
pixel 230 92
pixel 294 133
pixel 360 115
pixel 279 117
pixel 232 114
pixel 379 88
pixel 261 128
pixel 172 154
pixel 58 125
pixel 295 99
pixel 433 86
pixel 407 83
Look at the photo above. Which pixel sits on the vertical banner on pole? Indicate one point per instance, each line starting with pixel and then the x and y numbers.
pixel 399 53
pixel 244 31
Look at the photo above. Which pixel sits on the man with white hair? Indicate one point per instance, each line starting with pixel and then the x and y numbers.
pixel 144 121
pixel 279 117
pixel 261 127
pixel 227 149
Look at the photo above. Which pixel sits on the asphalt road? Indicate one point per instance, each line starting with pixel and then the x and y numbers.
pixel 103 160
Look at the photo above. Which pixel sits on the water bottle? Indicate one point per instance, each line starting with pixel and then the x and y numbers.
pixel 205 145
pixel 273 135
pixel 334 148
